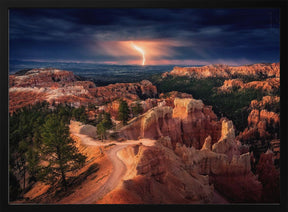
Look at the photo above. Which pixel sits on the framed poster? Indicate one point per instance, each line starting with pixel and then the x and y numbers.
pixel 140 104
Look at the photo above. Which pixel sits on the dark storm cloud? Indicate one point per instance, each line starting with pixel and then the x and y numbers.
pixel 210 34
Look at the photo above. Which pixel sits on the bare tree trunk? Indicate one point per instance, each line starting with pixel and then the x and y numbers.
pixel 63 178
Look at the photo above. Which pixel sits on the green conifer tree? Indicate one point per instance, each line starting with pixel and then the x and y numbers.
pixel 104 123
pixel 58 151
pixel 123 112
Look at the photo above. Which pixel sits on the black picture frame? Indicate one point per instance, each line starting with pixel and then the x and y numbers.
pixel 4 58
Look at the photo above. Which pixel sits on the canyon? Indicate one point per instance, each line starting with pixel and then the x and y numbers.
pixel 176 151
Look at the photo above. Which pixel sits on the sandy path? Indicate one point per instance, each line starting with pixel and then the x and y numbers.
pixel 119 170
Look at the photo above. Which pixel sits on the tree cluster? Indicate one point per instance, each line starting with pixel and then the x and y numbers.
pixel 40 148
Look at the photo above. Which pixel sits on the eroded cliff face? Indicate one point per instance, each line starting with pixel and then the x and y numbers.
pixel 226 156
pixel 158 176
pixel 166 174
pixel 41 78
pixel 189 122
pixel 60 86
pixel 269 84
pixel 269 176
pixel 128 91
pixel 266 101
pixel 262 124
pixel 217 153
pixel 51 85
pixel 269 70
pixel 263 131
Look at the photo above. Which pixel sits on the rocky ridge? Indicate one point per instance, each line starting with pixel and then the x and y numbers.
pixel 157 175
pixel 219 70
pixel 270 84
pixel 189 122
pixel 126 91
pixel 61 86
pixel 262 123
pixel 174 169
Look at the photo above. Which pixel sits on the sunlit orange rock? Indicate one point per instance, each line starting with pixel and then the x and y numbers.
pixel 219 70
pixel 189 122
pixel 269 84
pixel 61 86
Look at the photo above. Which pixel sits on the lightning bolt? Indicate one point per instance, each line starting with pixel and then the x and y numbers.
pixel 141 51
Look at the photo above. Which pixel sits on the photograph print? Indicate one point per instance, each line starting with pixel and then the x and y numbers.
pixel 144 106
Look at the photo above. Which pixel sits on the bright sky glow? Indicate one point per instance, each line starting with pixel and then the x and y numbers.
pixel 141 51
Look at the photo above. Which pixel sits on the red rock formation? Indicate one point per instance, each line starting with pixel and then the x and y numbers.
pixel 41 78
pixel 228 169
pixel 52 85
pixel 266 100
pixel 158 177
pixel 270 84
pixel 275 147
pixel 262 124
pixel 146 104
pixel 59 86
pixel 152 166
pixel 239 189
pixel 197 121
pixel 149 103
pixel 269 176
pixel 190 122
pixel 220 155
pixel 170 97
pixel 231 84
pixel 269 117
pixel 258 124
pixel 270 70
pixel 263 129
pixel 199 72
pixel 24 98
pixel 131 91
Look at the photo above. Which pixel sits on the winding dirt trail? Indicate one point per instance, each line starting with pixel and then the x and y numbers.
pixel 119 169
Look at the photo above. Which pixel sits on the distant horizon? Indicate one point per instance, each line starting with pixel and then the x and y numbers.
pixel 85 69
pixel 118 64
pixel 147 36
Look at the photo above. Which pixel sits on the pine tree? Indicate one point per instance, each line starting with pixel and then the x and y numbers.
pixel 123 112
pixel 101 130
pixel 104 123
pixel 58 151
pixel 107 122
pixel 137 109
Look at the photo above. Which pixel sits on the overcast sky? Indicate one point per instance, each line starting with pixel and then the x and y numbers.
pixel 165 36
